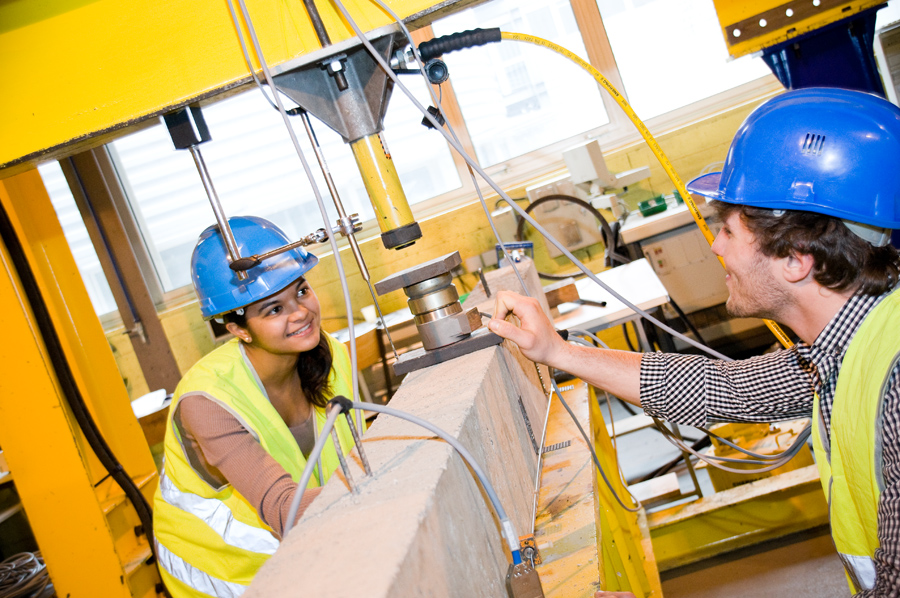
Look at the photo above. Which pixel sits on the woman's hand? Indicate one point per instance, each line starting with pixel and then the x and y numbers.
pixel 535 335
pixel 614 595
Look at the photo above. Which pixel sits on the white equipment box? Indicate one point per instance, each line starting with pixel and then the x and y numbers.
pixel 687 267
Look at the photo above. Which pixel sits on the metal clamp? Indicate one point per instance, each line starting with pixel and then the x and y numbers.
pixel 348 225
pixel 243 264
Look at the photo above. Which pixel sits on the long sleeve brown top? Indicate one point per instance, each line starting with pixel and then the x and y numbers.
pixel 219 445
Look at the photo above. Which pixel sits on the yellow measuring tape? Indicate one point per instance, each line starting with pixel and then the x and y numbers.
pixel 651 141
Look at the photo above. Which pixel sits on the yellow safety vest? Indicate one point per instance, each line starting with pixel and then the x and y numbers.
pixel 210 540
pixel 851 467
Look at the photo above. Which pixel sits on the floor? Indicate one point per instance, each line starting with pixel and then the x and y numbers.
pixel 800 566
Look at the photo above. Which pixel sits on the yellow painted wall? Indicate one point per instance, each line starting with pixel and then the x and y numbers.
pixel 465 228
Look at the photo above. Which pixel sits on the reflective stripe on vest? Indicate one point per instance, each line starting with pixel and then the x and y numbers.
pixel 850 461
pixel 861 570
pixel 219 518
pixel 195 578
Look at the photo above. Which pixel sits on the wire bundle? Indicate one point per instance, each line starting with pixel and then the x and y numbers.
pixel 768 461
pixel 24 575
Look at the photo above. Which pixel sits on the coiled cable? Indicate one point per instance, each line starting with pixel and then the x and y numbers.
pixel 24 575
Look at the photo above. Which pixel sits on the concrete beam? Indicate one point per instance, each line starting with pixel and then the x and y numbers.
pixel 421 525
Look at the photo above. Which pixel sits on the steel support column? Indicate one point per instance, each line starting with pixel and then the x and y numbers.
pixel 86 529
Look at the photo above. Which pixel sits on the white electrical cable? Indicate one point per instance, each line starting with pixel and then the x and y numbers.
pixel 437 103
pixel 539 468
pixel 580 265
pixel 590 335
pixel 637 504
pixel 783 458
pixel 573 334
pixel 727 442
pixel 246 54
pixel 506 526
pixel 334 248
pixel 314 455
pixel 509 533
pixel 474 165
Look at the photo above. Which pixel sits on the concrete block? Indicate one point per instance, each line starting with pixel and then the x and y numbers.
pixel 420 525
pixel 506 279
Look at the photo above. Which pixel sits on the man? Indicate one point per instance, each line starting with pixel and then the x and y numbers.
pixel 808 194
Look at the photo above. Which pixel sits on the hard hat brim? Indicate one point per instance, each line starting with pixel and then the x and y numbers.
pixel 707 185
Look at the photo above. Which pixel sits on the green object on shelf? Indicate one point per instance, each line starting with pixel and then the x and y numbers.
pixel 653 206
pixel 678 197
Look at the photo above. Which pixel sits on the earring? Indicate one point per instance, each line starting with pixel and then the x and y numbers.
pixel 248 340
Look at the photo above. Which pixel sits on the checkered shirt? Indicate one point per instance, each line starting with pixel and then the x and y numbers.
pixel 696 390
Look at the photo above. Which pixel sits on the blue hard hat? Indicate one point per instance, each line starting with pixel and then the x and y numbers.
pixel 218 287
pixel 825 150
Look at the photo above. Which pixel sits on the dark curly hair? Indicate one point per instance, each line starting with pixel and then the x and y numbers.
pixel 842 260
pixel 313 366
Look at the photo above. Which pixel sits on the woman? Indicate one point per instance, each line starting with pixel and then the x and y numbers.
pixel 245 417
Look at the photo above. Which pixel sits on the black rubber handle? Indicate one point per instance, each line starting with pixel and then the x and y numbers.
pixel 345 403
pixel 457 41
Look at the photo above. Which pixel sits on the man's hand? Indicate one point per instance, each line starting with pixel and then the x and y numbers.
pixel 535 336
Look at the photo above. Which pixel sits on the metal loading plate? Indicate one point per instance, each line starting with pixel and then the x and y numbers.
pixel 420 358
pixel 418 273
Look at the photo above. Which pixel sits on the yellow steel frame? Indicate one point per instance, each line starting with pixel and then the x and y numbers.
pixel 765 23
pixel 629 562
pixel 587 541
pixel 761 510
pixel 82 522
pixel 85 69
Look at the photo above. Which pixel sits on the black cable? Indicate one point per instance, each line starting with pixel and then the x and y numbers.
pixel 616 246
pixel 503 200
pixel 605 230
pixel 687 322
pixel 465 287
pixel 626 406
pixel 66 379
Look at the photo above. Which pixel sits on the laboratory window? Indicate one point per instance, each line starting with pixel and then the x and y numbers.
pixel 671 53
pixel 517 97
pixel 77 236
pixel 517 105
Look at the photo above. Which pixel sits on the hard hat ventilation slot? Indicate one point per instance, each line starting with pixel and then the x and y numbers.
pixel 813 144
